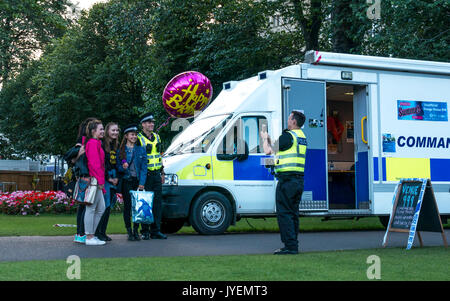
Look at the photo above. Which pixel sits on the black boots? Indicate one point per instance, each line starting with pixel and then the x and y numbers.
pixel 130 234
pixel 145 236
pixel 158 235
pixel 136 232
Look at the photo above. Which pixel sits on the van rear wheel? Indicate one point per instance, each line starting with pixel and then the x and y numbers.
pixel 211 213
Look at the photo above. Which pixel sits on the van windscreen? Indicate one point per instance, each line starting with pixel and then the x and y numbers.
pixel 198 136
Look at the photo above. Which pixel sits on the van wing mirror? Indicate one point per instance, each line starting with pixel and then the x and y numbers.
pixel 227 157
pixel 239 156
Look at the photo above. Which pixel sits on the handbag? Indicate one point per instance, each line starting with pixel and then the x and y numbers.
pixel 142 206
pixel 85 190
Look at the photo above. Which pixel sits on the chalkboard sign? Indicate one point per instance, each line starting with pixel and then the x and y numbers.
pixel 408 196
pixel 414 209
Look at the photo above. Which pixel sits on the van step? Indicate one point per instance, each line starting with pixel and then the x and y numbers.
pixel 341 212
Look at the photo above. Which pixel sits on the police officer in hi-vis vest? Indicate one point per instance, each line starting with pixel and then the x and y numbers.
pixel 155 174
pixel 289 169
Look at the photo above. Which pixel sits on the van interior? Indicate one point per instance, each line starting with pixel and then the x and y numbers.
pixel 341 146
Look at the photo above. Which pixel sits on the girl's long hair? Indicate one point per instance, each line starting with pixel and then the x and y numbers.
pixel 82 127
pixel 123 155
pixel 91 126
pixel 108 141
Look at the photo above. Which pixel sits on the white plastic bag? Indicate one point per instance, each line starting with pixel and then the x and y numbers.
pixel 142 206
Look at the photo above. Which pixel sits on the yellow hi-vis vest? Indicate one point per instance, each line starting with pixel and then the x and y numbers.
pixel 293 159
pixel 153 157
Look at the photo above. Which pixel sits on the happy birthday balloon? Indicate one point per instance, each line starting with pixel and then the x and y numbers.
pixel 186 93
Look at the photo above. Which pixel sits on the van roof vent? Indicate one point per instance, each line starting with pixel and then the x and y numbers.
pixel 264 74
pixel 229 85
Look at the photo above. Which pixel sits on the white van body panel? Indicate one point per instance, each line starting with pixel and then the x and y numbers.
pixel 386 81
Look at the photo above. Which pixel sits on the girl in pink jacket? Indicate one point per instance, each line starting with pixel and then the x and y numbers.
pixel 96 165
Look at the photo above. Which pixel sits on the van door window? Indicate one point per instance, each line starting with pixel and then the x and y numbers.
pixel 251 127
pixel 245 129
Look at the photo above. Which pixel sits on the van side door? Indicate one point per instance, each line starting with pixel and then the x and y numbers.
pixel 309 97
pixel 239 164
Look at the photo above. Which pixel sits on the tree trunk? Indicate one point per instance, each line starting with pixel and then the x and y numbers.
pixel 310 25
pixel 344 26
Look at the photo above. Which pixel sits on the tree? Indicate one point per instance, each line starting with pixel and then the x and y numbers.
pixel 349 24
pixel 415 29
pixel 26 26
pixel 156 40
pixel 239 42
pixel 310 16
pixel 79 77
pixel 17 124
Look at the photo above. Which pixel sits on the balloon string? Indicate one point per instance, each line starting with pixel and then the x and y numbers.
pixel 164 124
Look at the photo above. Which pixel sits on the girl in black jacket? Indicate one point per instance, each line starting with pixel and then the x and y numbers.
pixel 110 146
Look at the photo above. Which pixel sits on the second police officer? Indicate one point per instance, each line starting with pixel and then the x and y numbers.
pixel 155 174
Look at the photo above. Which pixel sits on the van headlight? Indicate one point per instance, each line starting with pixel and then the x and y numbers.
pixel 170 179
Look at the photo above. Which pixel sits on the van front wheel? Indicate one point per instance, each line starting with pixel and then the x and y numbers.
pixel 211 213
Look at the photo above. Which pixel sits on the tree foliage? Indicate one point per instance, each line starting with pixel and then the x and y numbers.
pixel 18 127
pixel 81 77
pixel 26 26
pixel 415 29
pixel 115 60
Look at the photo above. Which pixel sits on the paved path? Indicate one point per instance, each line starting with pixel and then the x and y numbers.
pixel 60 247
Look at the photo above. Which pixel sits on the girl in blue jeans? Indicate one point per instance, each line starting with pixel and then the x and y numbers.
pixel 110 146
pixel 132 165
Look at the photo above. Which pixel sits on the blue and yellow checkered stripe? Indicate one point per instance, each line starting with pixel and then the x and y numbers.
pixel 394 169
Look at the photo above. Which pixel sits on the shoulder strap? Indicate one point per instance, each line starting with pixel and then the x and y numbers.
pixel 300 140
pixel 142 139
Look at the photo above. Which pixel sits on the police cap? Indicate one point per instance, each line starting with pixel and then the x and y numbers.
pixel 130 128
pixel 147 117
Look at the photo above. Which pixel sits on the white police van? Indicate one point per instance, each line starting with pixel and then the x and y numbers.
pixel 370 121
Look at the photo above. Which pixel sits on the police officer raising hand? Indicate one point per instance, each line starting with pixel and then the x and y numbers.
pixel 289 170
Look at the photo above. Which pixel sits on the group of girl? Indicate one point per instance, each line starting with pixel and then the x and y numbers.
pixel 117 168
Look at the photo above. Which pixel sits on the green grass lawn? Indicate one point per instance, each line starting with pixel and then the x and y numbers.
pixel 420 264
pixel 428 263
pixel 13 225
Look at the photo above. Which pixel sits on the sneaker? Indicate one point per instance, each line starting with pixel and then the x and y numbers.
pixel 80 239
pixel 284 251
pixel 94 242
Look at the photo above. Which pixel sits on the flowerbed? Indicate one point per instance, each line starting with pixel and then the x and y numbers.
pixel 35 203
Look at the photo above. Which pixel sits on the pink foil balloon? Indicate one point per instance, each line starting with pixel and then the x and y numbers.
pixel 186 93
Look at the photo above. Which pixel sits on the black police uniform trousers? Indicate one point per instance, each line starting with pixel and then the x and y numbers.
pixel 153 183
pixel 288 194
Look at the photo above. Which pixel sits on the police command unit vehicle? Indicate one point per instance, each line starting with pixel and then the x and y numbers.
pixel 370 121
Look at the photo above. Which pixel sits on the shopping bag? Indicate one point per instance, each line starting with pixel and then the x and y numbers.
pixel 85 190
pixel 142 206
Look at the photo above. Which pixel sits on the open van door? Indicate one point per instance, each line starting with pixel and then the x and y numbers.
pixel 360 110
pixel 310 97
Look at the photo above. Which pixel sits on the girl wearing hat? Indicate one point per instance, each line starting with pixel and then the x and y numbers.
pixel 132 164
